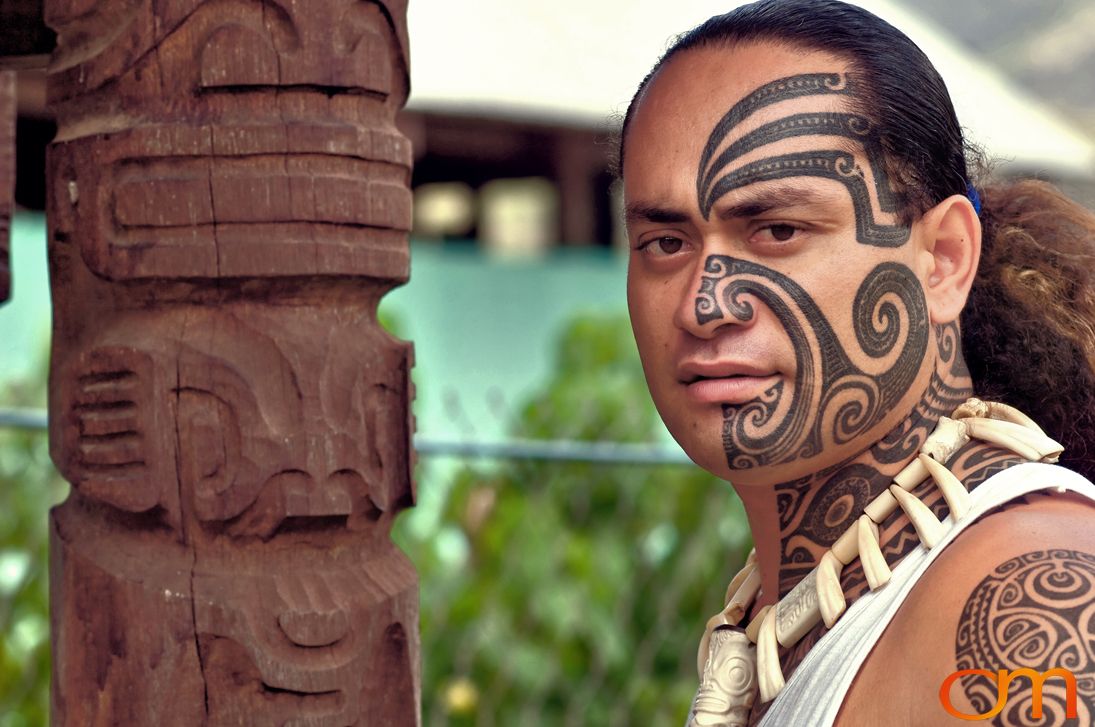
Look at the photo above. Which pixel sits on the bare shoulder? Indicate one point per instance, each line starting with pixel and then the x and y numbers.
pixel 1016 590
pixel 1056 529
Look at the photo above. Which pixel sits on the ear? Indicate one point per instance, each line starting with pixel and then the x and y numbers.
pixel 950 239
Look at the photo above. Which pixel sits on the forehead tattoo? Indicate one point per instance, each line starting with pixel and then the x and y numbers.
pixel 713 181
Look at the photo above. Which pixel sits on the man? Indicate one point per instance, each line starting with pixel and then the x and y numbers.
pixel 795 284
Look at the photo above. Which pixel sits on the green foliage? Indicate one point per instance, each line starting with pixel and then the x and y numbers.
pixel 569 593
pixel 29 485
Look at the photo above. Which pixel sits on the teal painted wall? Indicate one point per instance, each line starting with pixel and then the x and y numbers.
pixel 25 318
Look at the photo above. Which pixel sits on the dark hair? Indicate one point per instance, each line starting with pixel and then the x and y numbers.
pixel 1029 327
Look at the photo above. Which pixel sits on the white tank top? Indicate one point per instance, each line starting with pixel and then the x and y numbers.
pixel 816 689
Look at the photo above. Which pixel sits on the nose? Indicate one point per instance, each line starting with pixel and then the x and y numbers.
pixel 712 301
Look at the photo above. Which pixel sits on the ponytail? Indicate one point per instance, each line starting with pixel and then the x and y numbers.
pixel 1028 329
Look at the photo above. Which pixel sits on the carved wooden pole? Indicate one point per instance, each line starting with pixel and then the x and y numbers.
pixel 229 199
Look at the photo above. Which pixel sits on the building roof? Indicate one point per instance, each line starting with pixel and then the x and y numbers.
pixel 578 62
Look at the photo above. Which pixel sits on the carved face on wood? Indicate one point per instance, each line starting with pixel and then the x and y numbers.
pixel 228 201
pixel 266 431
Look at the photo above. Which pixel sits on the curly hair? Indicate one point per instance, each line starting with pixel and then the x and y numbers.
pixel 1028 330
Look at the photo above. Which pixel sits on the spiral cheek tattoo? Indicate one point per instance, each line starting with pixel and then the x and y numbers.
pixel 832 398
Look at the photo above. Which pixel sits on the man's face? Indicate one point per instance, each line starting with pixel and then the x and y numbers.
pixel 774 292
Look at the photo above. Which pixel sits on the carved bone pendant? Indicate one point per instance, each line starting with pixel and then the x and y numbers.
pixel 728 687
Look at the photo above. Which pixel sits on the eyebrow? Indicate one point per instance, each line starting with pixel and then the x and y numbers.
pixel 640 212
pixel 762 201
pixel 755 203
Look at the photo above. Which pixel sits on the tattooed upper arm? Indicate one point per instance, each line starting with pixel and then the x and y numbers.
pixel 1032 611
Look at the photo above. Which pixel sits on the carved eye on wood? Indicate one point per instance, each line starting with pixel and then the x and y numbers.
pixel 223 461
pixel 87 30
pixel 361 59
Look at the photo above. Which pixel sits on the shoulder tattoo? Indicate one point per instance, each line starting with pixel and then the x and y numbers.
pixel 1035 611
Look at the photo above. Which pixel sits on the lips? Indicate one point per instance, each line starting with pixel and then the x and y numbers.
pixel 725 382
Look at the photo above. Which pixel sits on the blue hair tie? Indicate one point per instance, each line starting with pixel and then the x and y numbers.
pixel 975 199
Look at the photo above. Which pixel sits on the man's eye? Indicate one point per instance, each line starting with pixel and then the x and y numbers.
pixel 663 245
pixel 778 232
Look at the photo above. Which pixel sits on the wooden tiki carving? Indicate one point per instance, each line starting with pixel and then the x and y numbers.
pixel 229 199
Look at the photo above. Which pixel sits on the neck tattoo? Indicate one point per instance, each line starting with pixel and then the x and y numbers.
pixel 815 510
